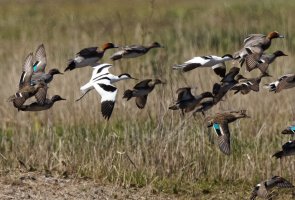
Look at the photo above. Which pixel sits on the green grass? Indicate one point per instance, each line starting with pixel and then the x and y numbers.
pixel 155 146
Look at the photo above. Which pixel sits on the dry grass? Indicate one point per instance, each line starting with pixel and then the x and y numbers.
pixel 169 153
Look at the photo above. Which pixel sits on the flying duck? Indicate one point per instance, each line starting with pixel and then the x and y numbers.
pixel 215 62
pixel 220 122
pixel 141 90
pixel 88 56
pixel 101 80
pixel 38 107
pixel 256 43
pixel 40 65
pixel 134 51
pixel 245 85
pixel 26 90
pixel 288 149
pixel 264 188
pixel 256 60
pixel 187 102
pixel 284 82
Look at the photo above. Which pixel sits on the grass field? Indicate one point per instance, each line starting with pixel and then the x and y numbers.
pixel 154 147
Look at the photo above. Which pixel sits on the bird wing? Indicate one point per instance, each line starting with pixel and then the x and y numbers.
pixel 26 76
pixel 41 95
pixel 220 69
pixel 184 94
pixel 100 70
pixel 288 145
pixel 279 182
pixel 87 52
pixel 253 39
pixel 285 82
pixel 141 101
pixel 231 74
pixel 142 84
pixel 40 59
pixel 252 61
pixel 108 93
pixel 135 48
pixel 222 131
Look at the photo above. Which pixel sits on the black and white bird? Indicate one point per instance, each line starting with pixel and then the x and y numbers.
pixel 264 188
pixel 215 62
pixel 101 80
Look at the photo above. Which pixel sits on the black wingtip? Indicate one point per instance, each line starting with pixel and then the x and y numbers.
pixel 71 66
pixel 107 109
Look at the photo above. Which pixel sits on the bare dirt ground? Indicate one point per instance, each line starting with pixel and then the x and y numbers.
pixel 34 185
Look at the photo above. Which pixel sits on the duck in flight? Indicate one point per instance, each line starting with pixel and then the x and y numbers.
pixel 88 56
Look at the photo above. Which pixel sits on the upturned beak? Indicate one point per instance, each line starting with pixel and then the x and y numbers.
pixel 62 99
pixel 134 78
pixel 60 73
pixel 285 55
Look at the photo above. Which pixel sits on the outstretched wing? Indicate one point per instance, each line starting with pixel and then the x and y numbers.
pixel 222 131
pixel 108 94
pixel 141 101
pixel 88 52
pixel 40 59
pixel 142 84
pixel 279 182
pixel 25 78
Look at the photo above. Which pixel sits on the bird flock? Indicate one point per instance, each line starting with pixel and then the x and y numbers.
pixel 34 83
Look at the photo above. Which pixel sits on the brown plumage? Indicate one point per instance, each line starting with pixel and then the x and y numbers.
pixel 246 85
pixel 264 188
pixel 220 122
pixel 141 90
pixel 48 103
pixel 26 90
pixel 187 102
pixel 256 60
pixel 256 43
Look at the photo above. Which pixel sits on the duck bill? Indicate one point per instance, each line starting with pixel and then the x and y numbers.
pixel 60 73
pixel 62 99
pixel 281 36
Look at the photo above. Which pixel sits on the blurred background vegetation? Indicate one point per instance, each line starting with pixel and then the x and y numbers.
pixel 155 146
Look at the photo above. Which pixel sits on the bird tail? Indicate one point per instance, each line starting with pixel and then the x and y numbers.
pixel 71 65
pixel 278 154
pixel 128 94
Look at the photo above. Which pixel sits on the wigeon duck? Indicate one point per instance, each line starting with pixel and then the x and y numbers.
pixel 288 149
pixel 256 43
pixel 38 107
pixel 215 62
pixel 187 102
pixel 220 122
pixel 88 56
pixel 26 90
pixel 141 90
pixel 134 51
pixel 101 71
pixel 284 82
pixel 255 60
pixel 264 188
